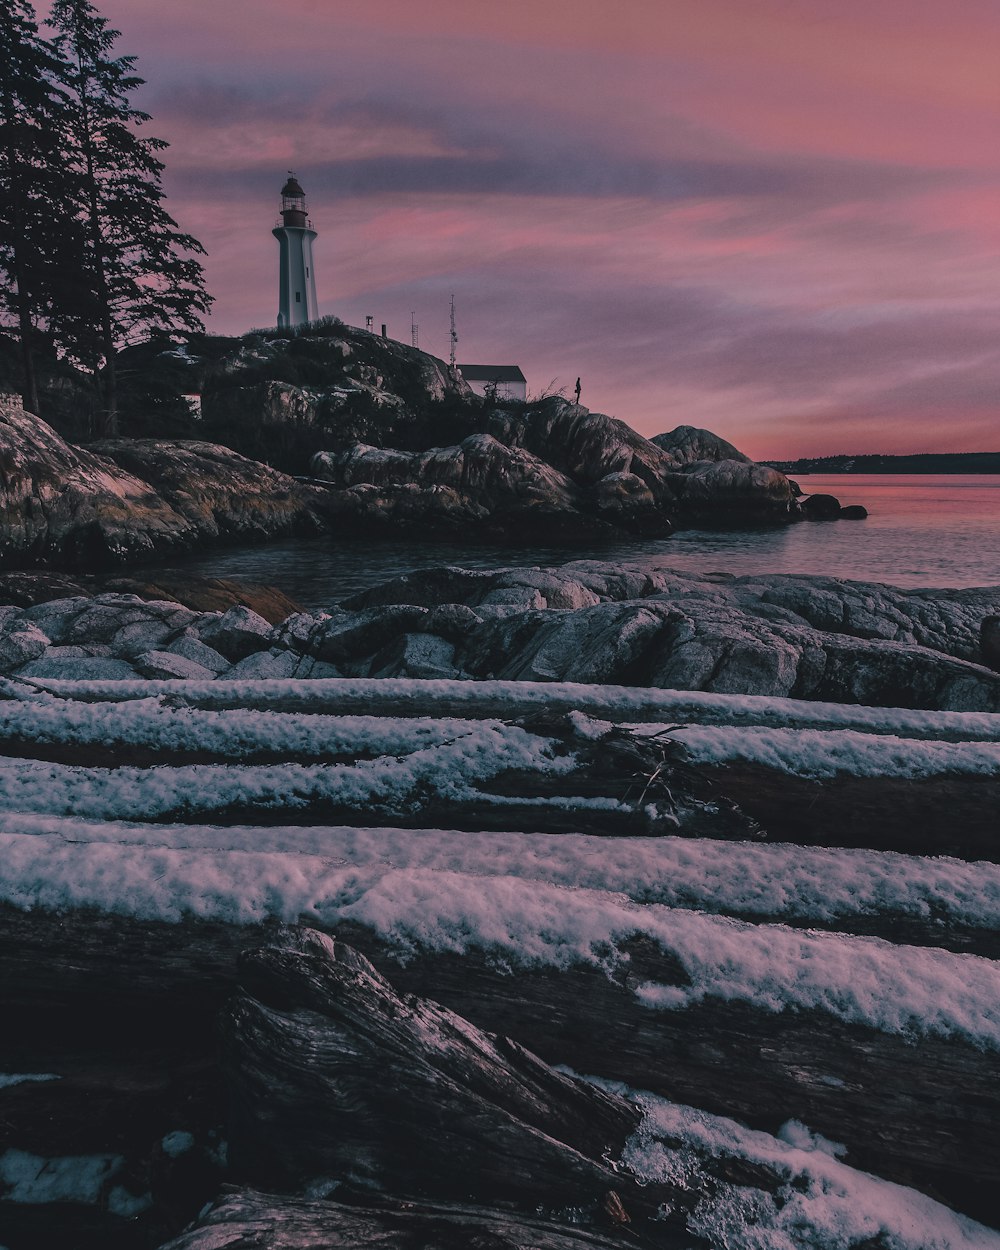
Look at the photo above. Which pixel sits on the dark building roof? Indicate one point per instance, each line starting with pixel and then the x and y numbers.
pixel 491 373
pixel 292 187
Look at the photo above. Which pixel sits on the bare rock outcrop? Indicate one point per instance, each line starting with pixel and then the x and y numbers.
pixel 724 487
pixel 479 482
pixel 495 477
pixel 124 501
pixel 562 463
pixel 804 637
pixel 352 385
pixel 687 444
pixel 250 1220
pixel 68 506
pixel 585 445
pixel 220 493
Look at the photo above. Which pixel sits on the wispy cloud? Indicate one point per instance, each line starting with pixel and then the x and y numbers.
pixel 779 219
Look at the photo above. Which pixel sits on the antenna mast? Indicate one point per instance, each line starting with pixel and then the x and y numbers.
pixel 454 333
pixel 414 329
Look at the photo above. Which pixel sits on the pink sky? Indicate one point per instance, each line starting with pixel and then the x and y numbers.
pixel 779 219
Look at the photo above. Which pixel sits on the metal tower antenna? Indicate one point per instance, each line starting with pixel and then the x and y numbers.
pixel 414 329
pixel 454 334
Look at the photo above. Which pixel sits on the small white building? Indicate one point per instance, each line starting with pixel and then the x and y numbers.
pixel 496 381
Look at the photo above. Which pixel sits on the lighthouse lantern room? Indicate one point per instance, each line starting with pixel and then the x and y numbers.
pixel 297 274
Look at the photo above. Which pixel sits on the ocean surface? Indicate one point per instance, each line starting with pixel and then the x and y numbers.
pixel 921 531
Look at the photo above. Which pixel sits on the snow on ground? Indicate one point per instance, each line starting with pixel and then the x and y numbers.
pixel 897 989
pixel 822 1203
pixel 747 878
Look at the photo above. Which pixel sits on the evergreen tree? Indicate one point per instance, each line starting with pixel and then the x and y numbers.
pixel 140 274
pixel 35 195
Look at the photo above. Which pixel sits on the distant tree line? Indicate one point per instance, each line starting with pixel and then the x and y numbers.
pixel 90 258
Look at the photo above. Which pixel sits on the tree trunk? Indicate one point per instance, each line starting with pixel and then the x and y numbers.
pixel 29 390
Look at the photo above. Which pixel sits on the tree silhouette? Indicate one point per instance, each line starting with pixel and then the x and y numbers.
pixel 137 273
pixel 36 201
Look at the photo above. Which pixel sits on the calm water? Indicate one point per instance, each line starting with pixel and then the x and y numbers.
pixel 921 531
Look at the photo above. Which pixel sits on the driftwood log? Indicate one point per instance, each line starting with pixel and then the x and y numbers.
pixel 331 1073
pixel 246 1219
pixel 125 1011
pixel 656 789
pixel 102 995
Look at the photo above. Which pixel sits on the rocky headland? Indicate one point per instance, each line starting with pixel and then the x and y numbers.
pixel 369 438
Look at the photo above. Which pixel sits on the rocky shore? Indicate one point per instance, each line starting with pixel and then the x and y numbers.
pixel 787 636
pixel 386 440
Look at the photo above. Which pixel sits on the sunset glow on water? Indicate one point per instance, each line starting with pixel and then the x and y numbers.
pixel 921 531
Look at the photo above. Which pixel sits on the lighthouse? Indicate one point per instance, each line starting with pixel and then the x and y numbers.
pixel 297 274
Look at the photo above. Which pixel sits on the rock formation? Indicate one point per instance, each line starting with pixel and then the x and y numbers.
pixel 218 492
pixel 130 500
pixel 803 637
pixel 555 464
pixel 568 468
pixel 392 439
pixel 65 505
pixel 688 444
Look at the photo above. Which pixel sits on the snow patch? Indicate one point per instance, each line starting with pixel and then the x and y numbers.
pixel 7 1079
pixel 28 1178
pixel 820 1201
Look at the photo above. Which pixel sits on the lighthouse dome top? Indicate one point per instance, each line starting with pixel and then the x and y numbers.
pixel 293 203
pixel 291 188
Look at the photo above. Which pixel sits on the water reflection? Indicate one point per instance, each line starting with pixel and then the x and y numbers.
pixel 921 531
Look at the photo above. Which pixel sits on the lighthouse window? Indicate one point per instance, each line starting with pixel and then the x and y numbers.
pixel 298 297
pixel 307 271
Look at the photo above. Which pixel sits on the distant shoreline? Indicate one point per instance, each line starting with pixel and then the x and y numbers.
pixel 929 462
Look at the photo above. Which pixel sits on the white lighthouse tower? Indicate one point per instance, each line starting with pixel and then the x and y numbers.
pixel 297 277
